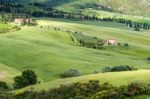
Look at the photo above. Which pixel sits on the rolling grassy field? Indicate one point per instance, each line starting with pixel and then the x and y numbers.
pixel 115 78
pixel 49 52
pixel 7 73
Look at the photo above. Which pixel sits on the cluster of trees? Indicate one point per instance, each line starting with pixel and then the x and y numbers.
pixel 3 86
pixel 119 68
pixel 10 6
pixel 87 41
pixel 76 16
pixel 82 39
pixel 27 78
pixel 89 90
pixel 7 17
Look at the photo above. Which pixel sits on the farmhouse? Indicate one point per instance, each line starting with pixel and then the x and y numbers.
pixel 21 20
pixel 18 21
pixel 111 42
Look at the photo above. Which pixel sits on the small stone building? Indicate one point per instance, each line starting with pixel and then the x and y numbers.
pixel 21 20
pixel 111 42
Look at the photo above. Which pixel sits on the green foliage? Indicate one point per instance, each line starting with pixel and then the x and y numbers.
pixel 27 78
pixel 119 68
pixel 6 18
pixel 137 29
pixel 126 45
pixel 137 88
pixel 75 91
pixel 148 58
pixel 87 41
pixel 3 86
pixel 6 27
pixel 70 73
pixel 89 90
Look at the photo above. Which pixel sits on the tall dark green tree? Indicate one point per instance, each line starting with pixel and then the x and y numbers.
pixel 27 78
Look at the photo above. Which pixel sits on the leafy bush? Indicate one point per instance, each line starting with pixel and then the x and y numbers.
pixel 137 88
pixel 73 91
pixel 126 44
pixel 119 68
pixel 27 78
pixel 70 73
pixel 137 29
pixel 106 69
pixel 3 85
pixel 88 90
pixel 148 58
pixel 108 94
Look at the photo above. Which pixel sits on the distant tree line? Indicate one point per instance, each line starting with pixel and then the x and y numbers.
pixel 75 16
pixel 10 6
pixel 119 68
pixel 14 7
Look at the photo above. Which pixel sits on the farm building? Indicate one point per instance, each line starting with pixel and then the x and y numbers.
pixel 111 42
pixel 21 20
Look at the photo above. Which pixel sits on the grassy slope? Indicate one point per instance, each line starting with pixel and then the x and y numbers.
pixel 6 73
pixel 49 52
pixel 4 26
pixel 116 79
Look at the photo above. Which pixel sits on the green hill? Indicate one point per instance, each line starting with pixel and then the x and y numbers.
pixel 49 52
pixel 129 7
pixel 49 49
pixel 116 79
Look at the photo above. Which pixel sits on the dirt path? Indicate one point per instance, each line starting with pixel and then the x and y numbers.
pixel 2 75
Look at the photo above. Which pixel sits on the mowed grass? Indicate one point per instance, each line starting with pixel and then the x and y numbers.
pixel 114 78
pixel 49 52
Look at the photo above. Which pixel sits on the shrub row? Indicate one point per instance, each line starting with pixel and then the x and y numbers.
pixel 119 68
pixel 89 90
pixel 70 73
